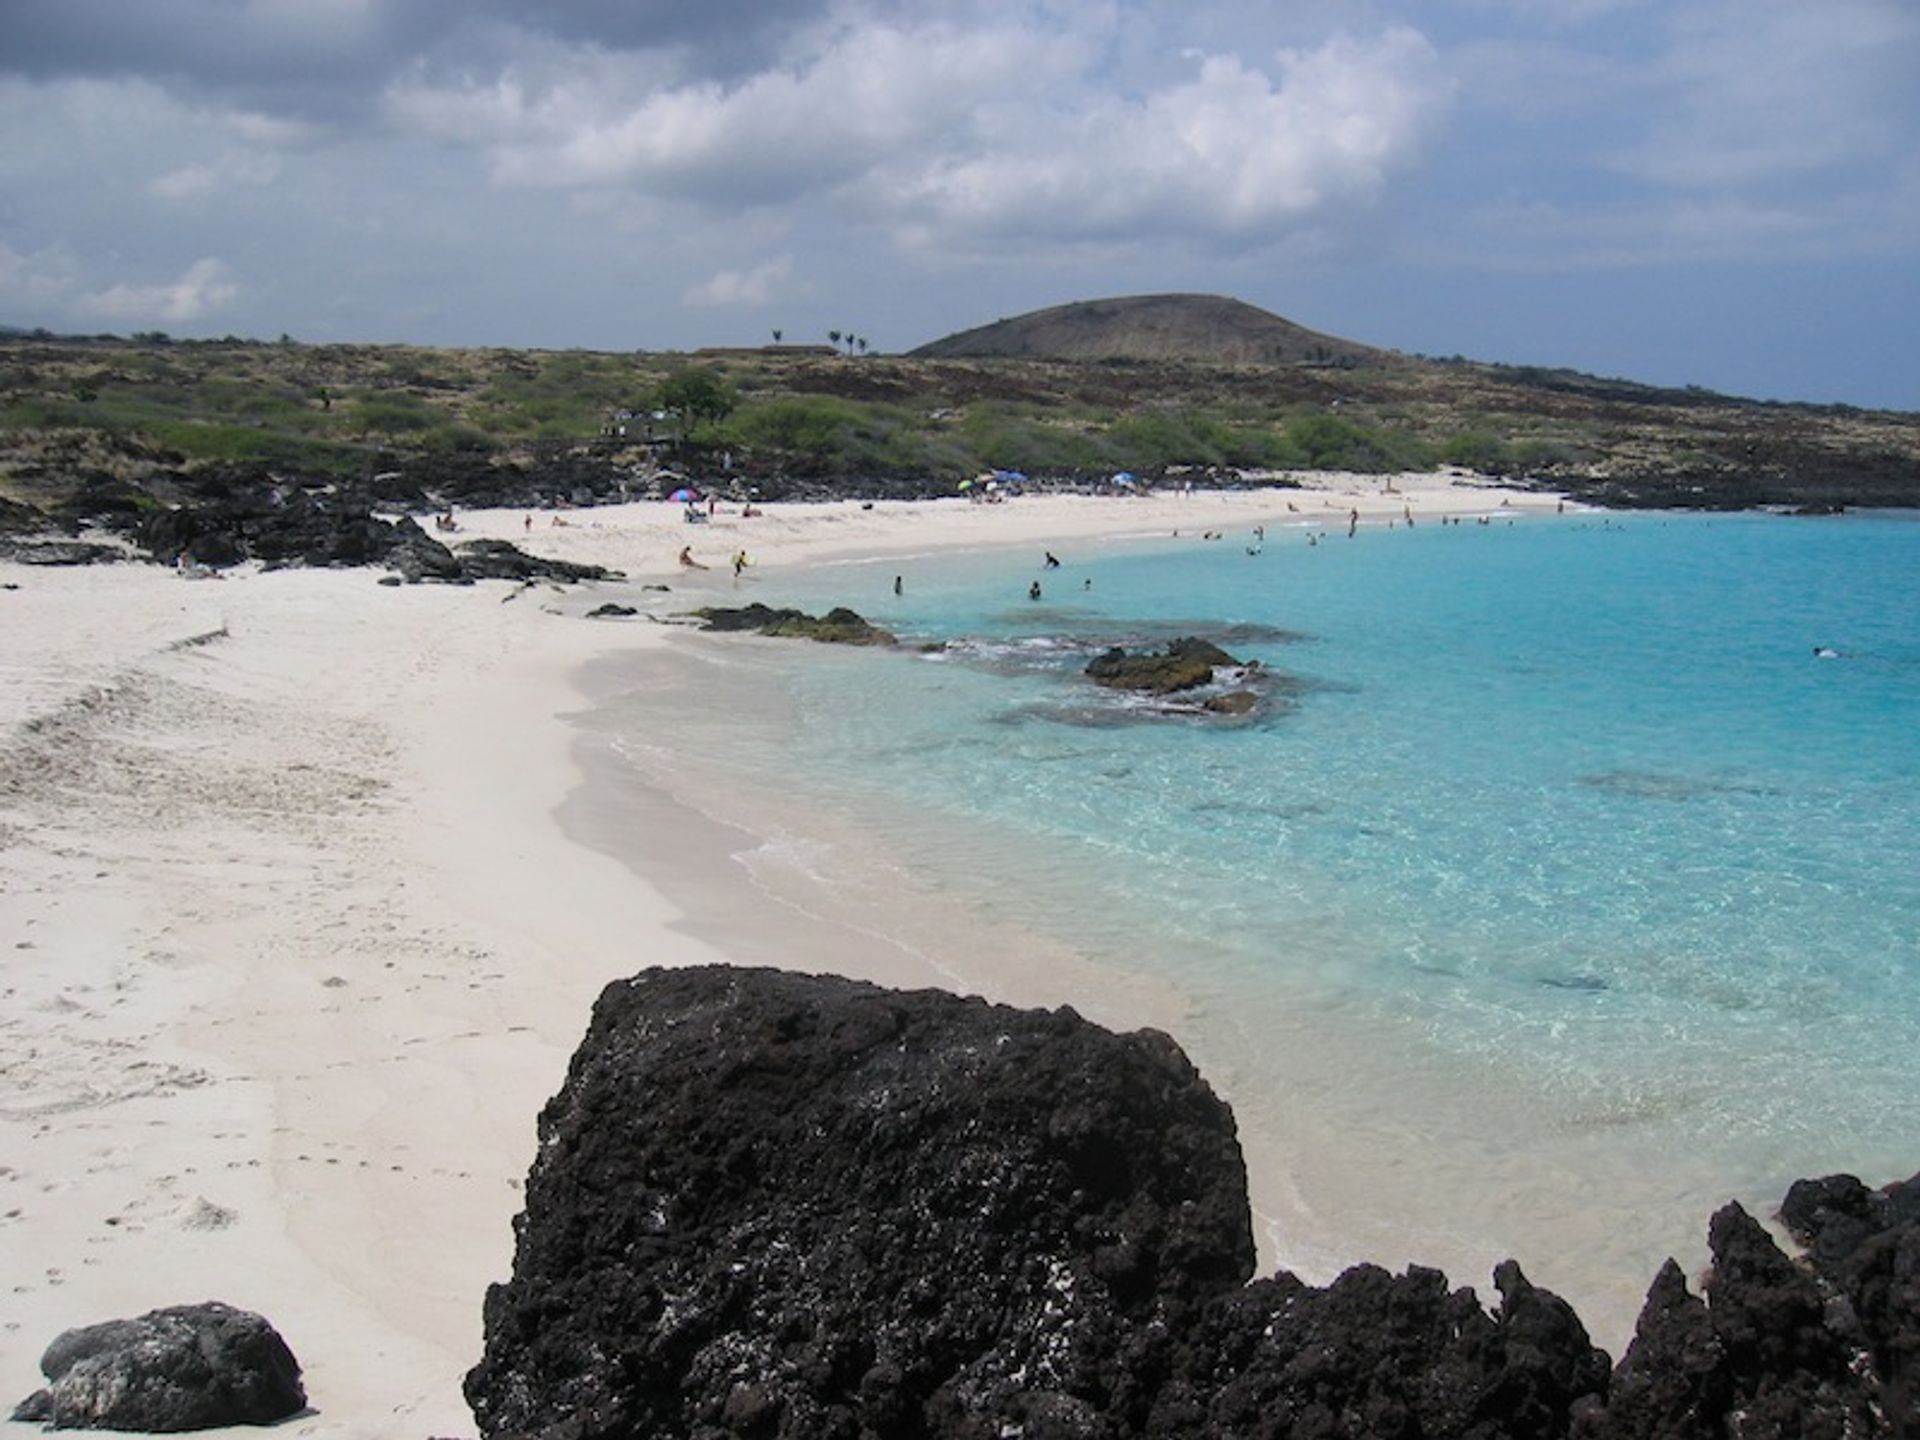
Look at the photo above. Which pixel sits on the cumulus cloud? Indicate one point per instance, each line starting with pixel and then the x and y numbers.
pixel 1234 153
pixel 758 286
pixel 849 99
pixel 205 288
pixel 1005 126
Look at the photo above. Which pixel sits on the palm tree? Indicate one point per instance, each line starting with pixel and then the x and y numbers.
pixel 776 337
pixel 834 335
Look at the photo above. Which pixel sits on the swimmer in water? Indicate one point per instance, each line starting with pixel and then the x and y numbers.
pixel 1825 652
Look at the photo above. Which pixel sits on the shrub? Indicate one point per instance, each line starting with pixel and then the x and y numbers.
pixel 395 413
pixel 1323 441
pixel 1478 450
pixel 801 424
pixel 204 440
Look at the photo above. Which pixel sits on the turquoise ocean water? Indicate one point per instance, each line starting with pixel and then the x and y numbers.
pixel 1566 893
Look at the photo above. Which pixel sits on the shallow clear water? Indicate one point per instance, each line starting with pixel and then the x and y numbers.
pixel 1562 868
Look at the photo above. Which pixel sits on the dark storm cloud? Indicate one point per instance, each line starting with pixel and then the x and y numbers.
pixel 324 60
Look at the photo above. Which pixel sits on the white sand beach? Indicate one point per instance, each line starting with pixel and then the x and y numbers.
pixel 295 945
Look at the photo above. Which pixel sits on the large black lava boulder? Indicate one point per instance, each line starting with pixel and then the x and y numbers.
pixel 783 1205
pixel 189 1367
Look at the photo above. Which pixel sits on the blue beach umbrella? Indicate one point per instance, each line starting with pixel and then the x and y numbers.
pixel 684 494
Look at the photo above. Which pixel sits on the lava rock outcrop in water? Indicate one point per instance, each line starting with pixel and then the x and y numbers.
pixel 768 1204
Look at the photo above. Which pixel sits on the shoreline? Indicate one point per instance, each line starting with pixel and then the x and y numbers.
pixel 818 880
pixel 306 939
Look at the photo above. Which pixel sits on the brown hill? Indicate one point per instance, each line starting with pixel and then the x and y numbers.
pixel 1214 329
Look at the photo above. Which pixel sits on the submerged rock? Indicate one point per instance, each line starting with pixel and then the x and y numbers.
pixel 839 626
pixel 188 1367
pixel 1234 702
pixel 1186 664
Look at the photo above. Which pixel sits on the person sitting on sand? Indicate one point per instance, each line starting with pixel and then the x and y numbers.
pixel 686 558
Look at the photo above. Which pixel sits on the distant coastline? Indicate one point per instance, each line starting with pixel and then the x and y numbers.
pixel 105 432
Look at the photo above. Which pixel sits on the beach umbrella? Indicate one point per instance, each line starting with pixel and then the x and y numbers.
pixel 1125 477
pixel 684 494
pixel 966 484
pixel 1008 475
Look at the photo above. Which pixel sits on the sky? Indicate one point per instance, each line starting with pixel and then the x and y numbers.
pixel 1722 193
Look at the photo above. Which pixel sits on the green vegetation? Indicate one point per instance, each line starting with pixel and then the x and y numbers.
pixel 211 440
pixel 825 435
pixel 696 397
pixel 341 409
